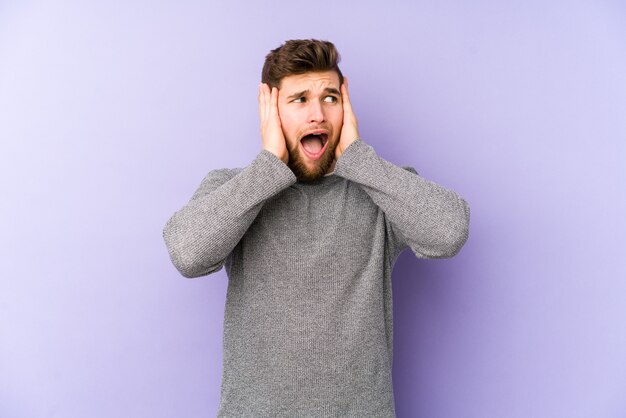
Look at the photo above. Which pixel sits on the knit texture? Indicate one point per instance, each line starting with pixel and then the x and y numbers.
pixel 308 316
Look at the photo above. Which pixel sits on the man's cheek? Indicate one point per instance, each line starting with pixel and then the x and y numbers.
pixel 340 119
pixel 337 133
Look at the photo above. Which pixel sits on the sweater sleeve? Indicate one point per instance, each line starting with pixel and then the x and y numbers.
pixel 431 220
pixel 201 235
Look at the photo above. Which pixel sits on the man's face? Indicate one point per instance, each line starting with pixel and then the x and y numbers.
pixel 311 115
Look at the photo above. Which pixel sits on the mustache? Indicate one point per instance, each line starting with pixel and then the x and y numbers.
pixel 319 127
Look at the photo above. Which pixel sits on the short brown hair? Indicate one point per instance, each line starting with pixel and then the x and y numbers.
pixel 299 56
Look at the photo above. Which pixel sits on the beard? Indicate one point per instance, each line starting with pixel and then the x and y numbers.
pixel 302 171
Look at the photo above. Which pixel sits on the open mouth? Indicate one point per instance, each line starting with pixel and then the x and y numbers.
pixel 314 144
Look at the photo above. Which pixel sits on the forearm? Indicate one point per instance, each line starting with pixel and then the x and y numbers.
pixel 429 218
pixel 202 234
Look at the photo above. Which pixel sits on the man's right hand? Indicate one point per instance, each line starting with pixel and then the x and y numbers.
pixel 272 137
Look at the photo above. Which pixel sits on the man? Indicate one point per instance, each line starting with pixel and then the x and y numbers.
pixel 309 233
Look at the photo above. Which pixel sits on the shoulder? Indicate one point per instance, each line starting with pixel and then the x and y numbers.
pixel 411 169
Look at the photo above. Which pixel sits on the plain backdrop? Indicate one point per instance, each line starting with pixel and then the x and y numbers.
pixel 111 113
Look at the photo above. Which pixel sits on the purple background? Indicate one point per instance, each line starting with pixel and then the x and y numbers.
pixel 111 115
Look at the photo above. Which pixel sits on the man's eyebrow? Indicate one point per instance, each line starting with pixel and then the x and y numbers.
pixel 298 94
pixel 328 90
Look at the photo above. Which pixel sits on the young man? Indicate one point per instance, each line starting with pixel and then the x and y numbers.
pixel 309 233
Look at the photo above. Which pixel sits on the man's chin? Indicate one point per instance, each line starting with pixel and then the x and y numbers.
pixel 306 174
pixel 310 170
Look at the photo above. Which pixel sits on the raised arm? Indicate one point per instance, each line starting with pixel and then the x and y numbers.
pixel 423 215
pixel 201 235
pixel 432 220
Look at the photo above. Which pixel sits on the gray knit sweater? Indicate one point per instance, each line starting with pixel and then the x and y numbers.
pixel 308 318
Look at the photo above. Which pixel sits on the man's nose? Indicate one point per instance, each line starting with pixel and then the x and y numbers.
pixel 316 112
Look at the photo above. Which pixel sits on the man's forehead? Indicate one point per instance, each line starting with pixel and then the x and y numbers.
pixel 311 81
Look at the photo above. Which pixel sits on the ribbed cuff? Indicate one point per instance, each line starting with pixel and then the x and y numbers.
pixel 352 158
pixel 269 165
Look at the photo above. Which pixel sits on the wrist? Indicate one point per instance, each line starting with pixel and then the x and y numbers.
pixel 342 147
pixel 283 156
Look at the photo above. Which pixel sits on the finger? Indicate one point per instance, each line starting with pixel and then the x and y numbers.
pixel 274 101
pixel 261 100
pixel 266 101
pixel 345 96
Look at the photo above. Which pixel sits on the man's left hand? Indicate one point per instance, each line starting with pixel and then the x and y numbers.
pixel 349 130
